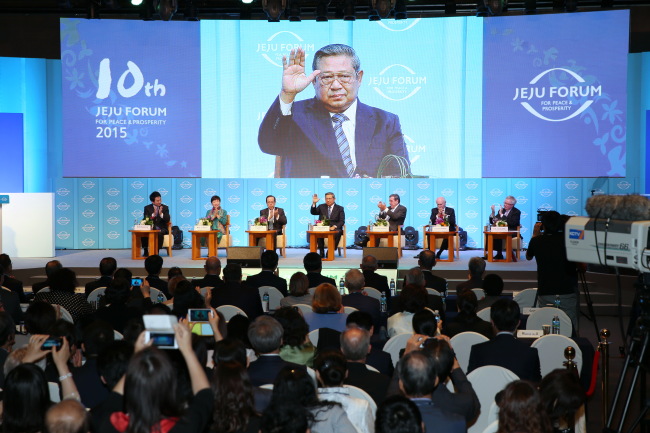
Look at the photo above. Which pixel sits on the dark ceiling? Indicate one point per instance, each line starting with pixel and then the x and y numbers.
pixel 30 28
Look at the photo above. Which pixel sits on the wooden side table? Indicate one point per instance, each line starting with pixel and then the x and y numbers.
pixel 330 235
pixel 269 235
pixel 211 239
pixel 136 243
pixel 450 236
pixel 507 238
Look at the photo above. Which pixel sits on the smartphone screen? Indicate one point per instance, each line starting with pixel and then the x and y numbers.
pixel 199 314
pixel 52 342
pixel 162 340
pixel 136 282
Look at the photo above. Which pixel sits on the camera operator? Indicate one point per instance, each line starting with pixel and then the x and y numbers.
pixel 556 275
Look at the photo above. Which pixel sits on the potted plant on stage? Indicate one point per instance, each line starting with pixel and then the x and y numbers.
pixel 260 224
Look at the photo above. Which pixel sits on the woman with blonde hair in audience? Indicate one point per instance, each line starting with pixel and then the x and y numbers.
pixel 326 309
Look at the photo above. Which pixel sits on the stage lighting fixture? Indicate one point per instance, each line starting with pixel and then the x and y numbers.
pixel 450 7
pixel 167 9
pixel 293 12
pixel 273 9
pixel 348 10
pixel 321 10
pixel 247 1
pixel 136 2
pixel 400 10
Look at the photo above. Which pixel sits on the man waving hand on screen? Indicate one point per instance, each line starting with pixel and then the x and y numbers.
pixel 333 134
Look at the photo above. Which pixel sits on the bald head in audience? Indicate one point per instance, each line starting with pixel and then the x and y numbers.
pixel 212 265
pixel 68 416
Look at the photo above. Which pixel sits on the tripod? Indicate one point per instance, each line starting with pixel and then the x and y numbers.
pixel 591 314
pixel 636 357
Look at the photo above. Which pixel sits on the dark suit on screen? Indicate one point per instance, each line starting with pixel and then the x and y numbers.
pixel 336 217
pixel 506 351
pixel 307 143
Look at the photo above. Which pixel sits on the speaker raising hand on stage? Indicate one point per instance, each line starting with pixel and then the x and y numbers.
pixel 316 199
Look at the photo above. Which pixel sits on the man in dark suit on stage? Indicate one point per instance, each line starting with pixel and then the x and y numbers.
pixel 438 216
pixel 267 277
pixel 511 215
pixel 332 134
pixel 274 215
pixel 334 213
pixel 159 214
pixel 395 214
pixel 505 350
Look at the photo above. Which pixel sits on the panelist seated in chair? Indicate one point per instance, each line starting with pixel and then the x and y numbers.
pixel 395 214
pixel 443 214
pixel 274 216
pixel 159 214
pixel 334 213
pixel 218 216
pixel 511 215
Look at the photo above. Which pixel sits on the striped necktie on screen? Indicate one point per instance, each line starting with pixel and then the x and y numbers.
pixel 342 141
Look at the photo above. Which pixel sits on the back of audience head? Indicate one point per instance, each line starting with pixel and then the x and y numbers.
pixel 230 350
pixel 427 259
pixel 30 399
pixel 504 315
pixel 476 267
pixel 294 326
pixel 442 356
pixel 7 331
pixel 39 317
pixel 173 282
pixel 118 291
pixel 123 273
pixel 492 285
pixel 113 361
pixel 67 416
pixel 237 327
pixel 174 271
pixel 233 398
pixel 413 298
pixel 562 396
pixel 153 264
pixel 64 280
pixel 298 285
pixel 360 319
pixel 354 280
pixel 355 343
pixel 312 262
pixel 265 334
pixel 331 368
pixel 51 267
pixel 232 273
pixel 134 327
pixel 285 418
pixel 398 414
pixel 212 265
pixel 96 337
pixel 186 297
pixel 414 276
pixel 5 262
pixel 326 299
pixel 158 308
pixel 415 370
pixel 467 302
pixel 520 409
pixel 269 260
pixel 294 386
pixel 552 222
pixel 107 266
pixel 369 263
pixel 425 323
pixel 65 329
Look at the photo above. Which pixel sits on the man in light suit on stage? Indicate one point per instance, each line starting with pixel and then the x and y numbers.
pixel 159 214
pixel 334 213
pixel 332 134
pixel 274 215
pixel 395 214
pixel 438 214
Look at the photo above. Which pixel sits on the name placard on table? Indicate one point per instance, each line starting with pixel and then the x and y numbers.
pixel 142 227
pixel 202 228
pixel 499 229
pixel 439 228
pixel 379 228
pixel 258 228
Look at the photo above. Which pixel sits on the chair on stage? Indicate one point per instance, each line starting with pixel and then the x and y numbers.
pixel 226 239
pixel 487 382
pixel 398 240
pixel 168 240
pixel 516 243
pixel 342 243
pixel 462 344
pixel 280 242
pixel 425 240
pixel 550 349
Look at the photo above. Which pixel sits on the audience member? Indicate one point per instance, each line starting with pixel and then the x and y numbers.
pixel 67 416
pixel 267 277
pixel 416 277
pixel 186 297
pixel 26 399
pixel 265 335
pixel 493 287
pixel 62 292
pixel 398 414
pixel 413 298
pixel 326 309
pixel 107 267
pixel 153 265
pixel 10 282
pixel 118 309
pixel 234 407
pixel 95 338
pixel 9 300
pixel 286 419
pixel 112 363
pixel 355 283
pixel 313 265
pixel 373 279
pixel 298 291
pixel 476 267
pixel 426 323
pixel 233 292
pixel 212 271
pixel 467 320
pixel 563 397
pixel 376 357
pixel 426 262
pixel 7 340
pixel 415 371
pixel 174 271
pixel 39 317
pixel 355 346
pixel 521 409
pixel 504 349
pixel 296 346
pixel 294 387
pixel 331 371
pixel 50 268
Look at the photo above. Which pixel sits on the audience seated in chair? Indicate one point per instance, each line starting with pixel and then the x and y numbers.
pixel 298 291
pixel 268 277
pixel 50 268
pixel 476 267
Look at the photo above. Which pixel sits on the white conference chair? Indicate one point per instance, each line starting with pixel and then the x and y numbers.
pixel 487 382
pixel 544 316
pixel 550 349
pixel 275 296
pixel 431 291
pixel 372 292
pixel 360 393
pixel 349 310
pixel 480 294
pixel 526 298
pixel 230 311
pixel 304 308
pixel 395 344
pixel 95 295
pixel 462 344
pixel 154 293
pixel 63 313
pixel 484 314
pixel 313 337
